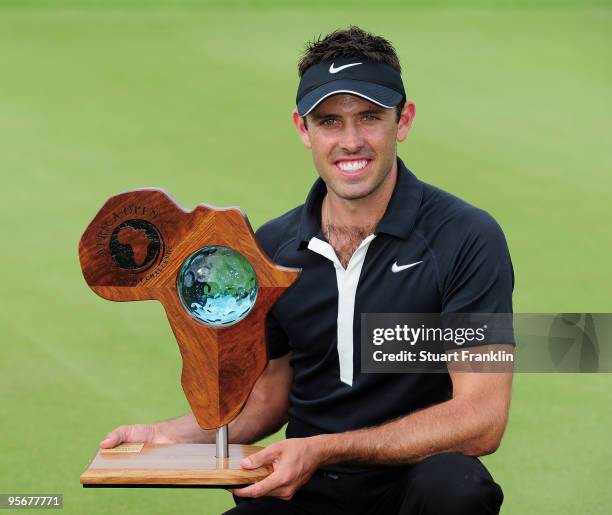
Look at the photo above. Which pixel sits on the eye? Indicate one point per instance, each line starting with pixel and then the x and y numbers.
pixel 367 117
pixel 329 122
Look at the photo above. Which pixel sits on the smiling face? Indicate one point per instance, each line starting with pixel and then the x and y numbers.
pixel 353 143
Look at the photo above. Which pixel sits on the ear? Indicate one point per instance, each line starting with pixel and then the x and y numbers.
pixel 298 121
pixel 405 121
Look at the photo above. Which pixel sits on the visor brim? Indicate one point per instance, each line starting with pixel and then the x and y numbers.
pixel 380 95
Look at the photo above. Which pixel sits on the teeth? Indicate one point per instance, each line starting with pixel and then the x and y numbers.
pixel 352 166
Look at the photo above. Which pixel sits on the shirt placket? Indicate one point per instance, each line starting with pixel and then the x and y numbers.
pixel 347 282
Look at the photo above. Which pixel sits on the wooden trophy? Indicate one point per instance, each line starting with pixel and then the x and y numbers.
pixel 217 286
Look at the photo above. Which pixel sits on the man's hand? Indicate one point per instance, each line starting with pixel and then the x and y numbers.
pixel 138 433
pixel 294 461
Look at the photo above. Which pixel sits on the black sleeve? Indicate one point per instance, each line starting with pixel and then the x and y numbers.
pixel 278 342
pixel 480 276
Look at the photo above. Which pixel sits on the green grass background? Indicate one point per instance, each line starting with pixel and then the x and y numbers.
pixel 514 108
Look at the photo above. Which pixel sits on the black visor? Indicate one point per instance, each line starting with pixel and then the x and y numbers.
pixel 376 82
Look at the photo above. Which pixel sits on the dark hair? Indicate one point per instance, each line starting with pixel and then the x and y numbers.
pixel 351 42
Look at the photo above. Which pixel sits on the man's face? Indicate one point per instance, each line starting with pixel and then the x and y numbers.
pixel 353 142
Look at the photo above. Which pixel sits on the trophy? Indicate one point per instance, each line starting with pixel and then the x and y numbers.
pixel 216 285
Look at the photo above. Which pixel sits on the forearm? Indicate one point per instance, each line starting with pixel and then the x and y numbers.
pixel 184 429
pixel 452 426
pixel 261 417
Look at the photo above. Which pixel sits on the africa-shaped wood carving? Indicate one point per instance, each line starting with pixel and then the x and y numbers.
pixel 213 279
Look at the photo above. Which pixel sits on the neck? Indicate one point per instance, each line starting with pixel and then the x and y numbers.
pixel 363 213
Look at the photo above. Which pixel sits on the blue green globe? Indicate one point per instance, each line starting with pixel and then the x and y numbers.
pixel 217 286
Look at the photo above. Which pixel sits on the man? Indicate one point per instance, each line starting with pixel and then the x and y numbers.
pixel 370 237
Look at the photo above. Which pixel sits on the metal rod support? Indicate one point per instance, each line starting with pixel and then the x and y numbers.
pixel 222 442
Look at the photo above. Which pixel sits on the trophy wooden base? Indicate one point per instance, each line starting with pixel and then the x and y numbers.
pixel 177 465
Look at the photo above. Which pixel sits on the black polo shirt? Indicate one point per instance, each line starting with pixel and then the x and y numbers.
pixel 463 267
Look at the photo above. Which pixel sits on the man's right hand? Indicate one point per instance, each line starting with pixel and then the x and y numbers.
pixel 137 433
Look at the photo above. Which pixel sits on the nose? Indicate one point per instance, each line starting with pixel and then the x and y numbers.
pixel 351 140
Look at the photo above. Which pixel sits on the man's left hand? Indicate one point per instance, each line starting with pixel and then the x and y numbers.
pixel 294 461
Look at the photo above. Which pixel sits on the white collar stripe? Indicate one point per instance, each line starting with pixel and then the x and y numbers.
pixel 347 282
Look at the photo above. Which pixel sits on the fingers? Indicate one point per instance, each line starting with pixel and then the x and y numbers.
pixel 264 457
pixel 136 433
pixel 114 438
pixel 261 488
pixel 259 459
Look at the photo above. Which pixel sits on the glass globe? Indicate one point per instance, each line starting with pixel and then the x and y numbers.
pixel 217 286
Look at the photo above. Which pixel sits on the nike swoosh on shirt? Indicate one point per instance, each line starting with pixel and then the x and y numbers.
pixel 340 68
pixel 395 268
